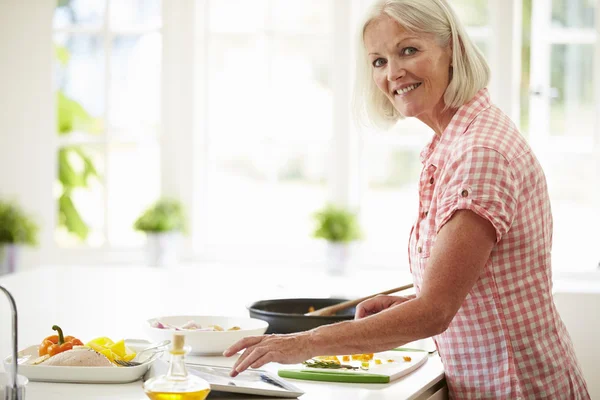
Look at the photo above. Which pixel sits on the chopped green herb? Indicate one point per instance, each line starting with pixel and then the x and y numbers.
pixel 327 364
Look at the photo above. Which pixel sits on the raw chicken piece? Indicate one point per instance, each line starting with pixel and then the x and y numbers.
pixel 191 325
pixel 79 357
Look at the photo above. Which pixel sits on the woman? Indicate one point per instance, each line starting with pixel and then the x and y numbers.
pixel 480 248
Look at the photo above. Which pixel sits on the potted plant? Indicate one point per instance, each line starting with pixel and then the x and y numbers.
pixel 16 229
pixel 339 227
pixel 163 222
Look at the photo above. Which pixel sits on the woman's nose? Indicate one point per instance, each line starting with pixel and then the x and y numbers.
pixel 395 71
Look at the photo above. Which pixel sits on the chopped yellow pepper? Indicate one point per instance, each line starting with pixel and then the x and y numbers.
pixel 111 350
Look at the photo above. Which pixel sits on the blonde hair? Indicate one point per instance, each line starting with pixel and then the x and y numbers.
pixel 470 73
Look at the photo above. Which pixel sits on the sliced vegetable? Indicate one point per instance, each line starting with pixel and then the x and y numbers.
pixel 327 364
pixel 111 350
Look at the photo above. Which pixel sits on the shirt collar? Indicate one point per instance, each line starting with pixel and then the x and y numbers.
pixel 433 153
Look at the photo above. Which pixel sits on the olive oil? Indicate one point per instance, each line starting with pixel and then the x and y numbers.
pixel 200 395
pixel 177 384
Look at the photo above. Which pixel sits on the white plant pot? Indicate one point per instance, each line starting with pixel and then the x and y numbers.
pixel 162 249
pixel 338 257
pixel 9 258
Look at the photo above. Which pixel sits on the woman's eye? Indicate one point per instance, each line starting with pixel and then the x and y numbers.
pixel 378 62
pixel 409 51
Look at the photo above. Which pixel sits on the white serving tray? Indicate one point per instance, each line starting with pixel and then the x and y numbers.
pixel 47 373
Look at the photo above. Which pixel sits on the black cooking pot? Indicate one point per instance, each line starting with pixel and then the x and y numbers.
pixel 287 315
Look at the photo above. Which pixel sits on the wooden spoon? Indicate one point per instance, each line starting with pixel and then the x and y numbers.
pixel 331 310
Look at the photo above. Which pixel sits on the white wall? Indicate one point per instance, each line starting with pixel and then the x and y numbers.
pixel 578 307
pixel 27 118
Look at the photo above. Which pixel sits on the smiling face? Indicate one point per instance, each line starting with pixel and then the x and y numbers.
pixel 411 69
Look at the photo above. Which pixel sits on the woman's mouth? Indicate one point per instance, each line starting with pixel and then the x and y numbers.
pixel 407 89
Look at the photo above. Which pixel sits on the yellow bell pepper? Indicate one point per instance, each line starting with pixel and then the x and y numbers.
pixel 111 350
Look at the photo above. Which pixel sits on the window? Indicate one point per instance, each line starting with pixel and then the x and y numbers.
pixel 252 106
pixel 107 81
pixel 563 124
pixel 269 123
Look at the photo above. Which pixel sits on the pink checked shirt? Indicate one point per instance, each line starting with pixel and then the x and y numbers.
pixel 507 340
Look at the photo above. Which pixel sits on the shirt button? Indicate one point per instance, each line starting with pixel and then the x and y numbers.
pixel 425 213
pixel 464 193
pixel 419 249
pixel 431 181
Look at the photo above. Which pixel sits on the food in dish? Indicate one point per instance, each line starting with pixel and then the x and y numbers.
pixel 55 344
pixel 190 326
pixel 68 351
pixel 79 357
pixel 111 350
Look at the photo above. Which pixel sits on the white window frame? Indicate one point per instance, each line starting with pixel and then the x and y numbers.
pixel 548 147
pixel 542 39
pixel 186 146
pixel 105 254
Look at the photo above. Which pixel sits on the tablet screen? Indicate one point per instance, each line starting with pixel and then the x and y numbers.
pixel 249 381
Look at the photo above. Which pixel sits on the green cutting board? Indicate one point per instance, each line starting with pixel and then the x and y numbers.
pixel 384 373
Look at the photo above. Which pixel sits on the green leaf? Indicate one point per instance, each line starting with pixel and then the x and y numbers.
pixel 71 217
pixel 73 117
pixel 89 170
pixel 165 215
pixel 67 175
pixel 72 177
pixel 336 224
pixel 16 226
pixel 62 54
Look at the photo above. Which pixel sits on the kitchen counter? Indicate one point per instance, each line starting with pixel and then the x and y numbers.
pixel 88 302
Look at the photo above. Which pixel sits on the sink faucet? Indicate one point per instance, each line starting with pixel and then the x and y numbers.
pixel 12 391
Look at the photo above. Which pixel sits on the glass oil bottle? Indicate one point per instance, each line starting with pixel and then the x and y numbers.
pixel 177 384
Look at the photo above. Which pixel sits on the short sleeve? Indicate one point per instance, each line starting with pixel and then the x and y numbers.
pixel 481 180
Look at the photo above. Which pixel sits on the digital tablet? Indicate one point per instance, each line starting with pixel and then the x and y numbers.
pixel 251 381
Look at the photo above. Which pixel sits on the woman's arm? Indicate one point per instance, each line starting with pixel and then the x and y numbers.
pixel 460 253
pixel 458 257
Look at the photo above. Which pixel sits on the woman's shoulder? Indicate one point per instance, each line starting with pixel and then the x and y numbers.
pixel 494 130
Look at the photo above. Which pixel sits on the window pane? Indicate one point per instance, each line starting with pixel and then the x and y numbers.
pixel 391 202
pixel 135 14
pixel 79 13
pixel 573 184
pixel 573 13
pixel 129 163
pixel 80 193
pixel 265 195
pixel 483 46
pixel 572 110
pixel 244 97
pixel 135 84
pixel 237 16
pixel 308 16
pixel 472 12
pixel 300 108
pixel 80 78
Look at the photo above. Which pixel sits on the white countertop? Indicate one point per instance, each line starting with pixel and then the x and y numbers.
pixel 115 301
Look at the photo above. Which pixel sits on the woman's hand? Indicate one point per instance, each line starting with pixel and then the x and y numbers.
pixel 376 304
pixel 285 349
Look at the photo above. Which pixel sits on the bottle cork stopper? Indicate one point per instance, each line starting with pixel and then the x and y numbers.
pixel 178 342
